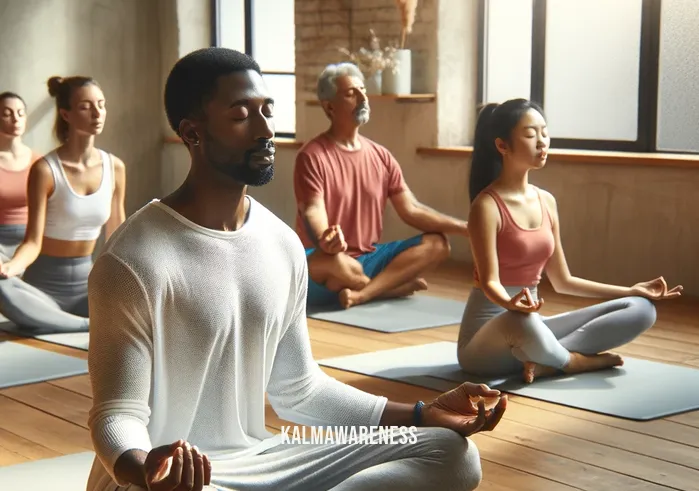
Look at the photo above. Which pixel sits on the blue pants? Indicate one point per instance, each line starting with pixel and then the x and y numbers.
pixel 372 263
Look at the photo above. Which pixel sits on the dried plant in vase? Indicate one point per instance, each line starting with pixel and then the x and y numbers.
pixel 374 59
pixel 407 10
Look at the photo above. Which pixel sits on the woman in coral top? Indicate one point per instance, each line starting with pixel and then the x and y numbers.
pixel 515 236
pixel 15 161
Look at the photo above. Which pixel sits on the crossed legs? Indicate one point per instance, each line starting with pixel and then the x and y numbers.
pixel 396 276
pixel 51 297
pixel 438 459
pixel 493 341
pixel 28 307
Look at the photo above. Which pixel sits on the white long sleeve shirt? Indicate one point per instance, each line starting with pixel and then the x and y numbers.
pixel 190 327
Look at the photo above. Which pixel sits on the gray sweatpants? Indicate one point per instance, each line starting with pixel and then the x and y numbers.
pixel 51 296
pixel 438 459
pixel 11 236
pixel 494 341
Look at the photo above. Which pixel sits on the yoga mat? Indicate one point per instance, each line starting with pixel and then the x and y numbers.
pixel 21 364
pixel 396 314
pixel 640 390
pixel 65 473
pixel 79 340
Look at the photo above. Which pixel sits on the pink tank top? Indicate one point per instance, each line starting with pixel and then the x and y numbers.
pixel 13 196
pixel 522 253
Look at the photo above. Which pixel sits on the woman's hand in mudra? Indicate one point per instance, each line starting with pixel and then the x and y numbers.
pixel 524 302
pixel 656 290
pixel 468 409
pixel 8 270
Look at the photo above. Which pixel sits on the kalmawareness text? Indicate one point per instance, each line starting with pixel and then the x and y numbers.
pixel 367 435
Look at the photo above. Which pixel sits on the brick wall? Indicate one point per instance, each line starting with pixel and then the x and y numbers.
pixel 384 18
pixel 323 26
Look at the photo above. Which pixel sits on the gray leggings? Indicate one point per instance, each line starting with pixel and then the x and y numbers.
pixel 11 236
pixel 495 341
pixel 438 459
pixel 51 297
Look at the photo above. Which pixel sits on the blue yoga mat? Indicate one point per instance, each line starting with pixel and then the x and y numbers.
pixel 21 365
pixel 395 314
pixel 79 340
pixel 640 390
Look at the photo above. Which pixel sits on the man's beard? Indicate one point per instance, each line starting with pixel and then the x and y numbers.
pixel 245 172
pixel 361 114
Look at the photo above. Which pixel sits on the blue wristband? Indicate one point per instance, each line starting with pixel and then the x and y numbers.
pixel 417 414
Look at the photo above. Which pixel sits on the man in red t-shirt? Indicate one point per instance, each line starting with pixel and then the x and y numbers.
pixel 342 182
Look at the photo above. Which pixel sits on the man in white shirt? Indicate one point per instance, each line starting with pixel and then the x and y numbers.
pixel 197 308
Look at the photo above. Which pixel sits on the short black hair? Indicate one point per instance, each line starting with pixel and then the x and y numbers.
pixel 192 80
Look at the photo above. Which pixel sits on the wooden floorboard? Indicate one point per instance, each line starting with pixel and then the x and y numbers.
pixel 537 447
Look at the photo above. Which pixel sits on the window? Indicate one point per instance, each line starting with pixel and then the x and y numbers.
pixel 249 26
pixel 603 71
pixel 678 87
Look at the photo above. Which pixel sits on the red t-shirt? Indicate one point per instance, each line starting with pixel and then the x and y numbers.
pixel 354 185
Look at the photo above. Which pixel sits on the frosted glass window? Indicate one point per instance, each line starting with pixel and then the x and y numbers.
pixel 273 32
pixel 592 68
pixel 283 90
pixel 508 50
pixel 231 22
pixel 678 83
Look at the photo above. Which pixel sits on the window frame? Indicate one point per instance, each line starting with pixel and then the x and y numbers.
pixel 649 57
pixel 248 7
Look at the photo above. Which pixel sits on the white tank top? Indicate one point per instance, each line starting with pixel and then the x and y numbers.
pixel 70 216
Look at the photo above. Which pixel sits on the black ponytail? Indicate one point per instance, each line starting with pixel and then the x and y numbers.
pixel 494 121
pixel 485 162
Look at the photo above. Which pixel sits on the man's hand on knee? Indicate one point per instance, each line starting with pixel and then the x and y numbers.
pixel 177 466
pixel 332 240
pixel 468 409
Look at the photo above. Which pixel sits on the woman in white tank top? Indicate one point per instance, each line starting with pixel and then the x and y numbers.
pixel 73 193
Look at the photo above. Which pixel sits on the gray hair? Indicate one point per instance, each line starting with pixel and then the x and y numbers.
pixel 327 88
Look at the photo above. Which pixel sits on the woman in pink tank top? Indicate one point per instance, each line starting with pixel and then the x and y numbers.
pixel 76 192
pixel 15 161
pixel 515 237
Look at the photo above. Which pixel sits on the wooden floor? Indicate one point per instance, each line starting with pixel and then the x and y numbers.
pixel 537 446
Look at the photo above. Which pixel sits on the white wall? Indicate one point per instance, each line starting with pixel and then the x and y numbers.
pixel 117 43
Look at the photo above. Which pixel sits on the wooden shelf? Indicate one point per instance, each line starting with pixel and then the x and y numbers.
pixel 407 98
pixel 587 156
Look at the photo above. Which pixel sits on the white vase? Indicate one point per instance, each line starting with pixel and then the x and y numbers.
pixel 399 80
pixel 372 83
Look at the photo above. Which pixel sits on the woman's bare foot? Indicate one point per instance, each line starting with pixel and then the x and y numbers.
pixel 534 370
pixel 580 363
